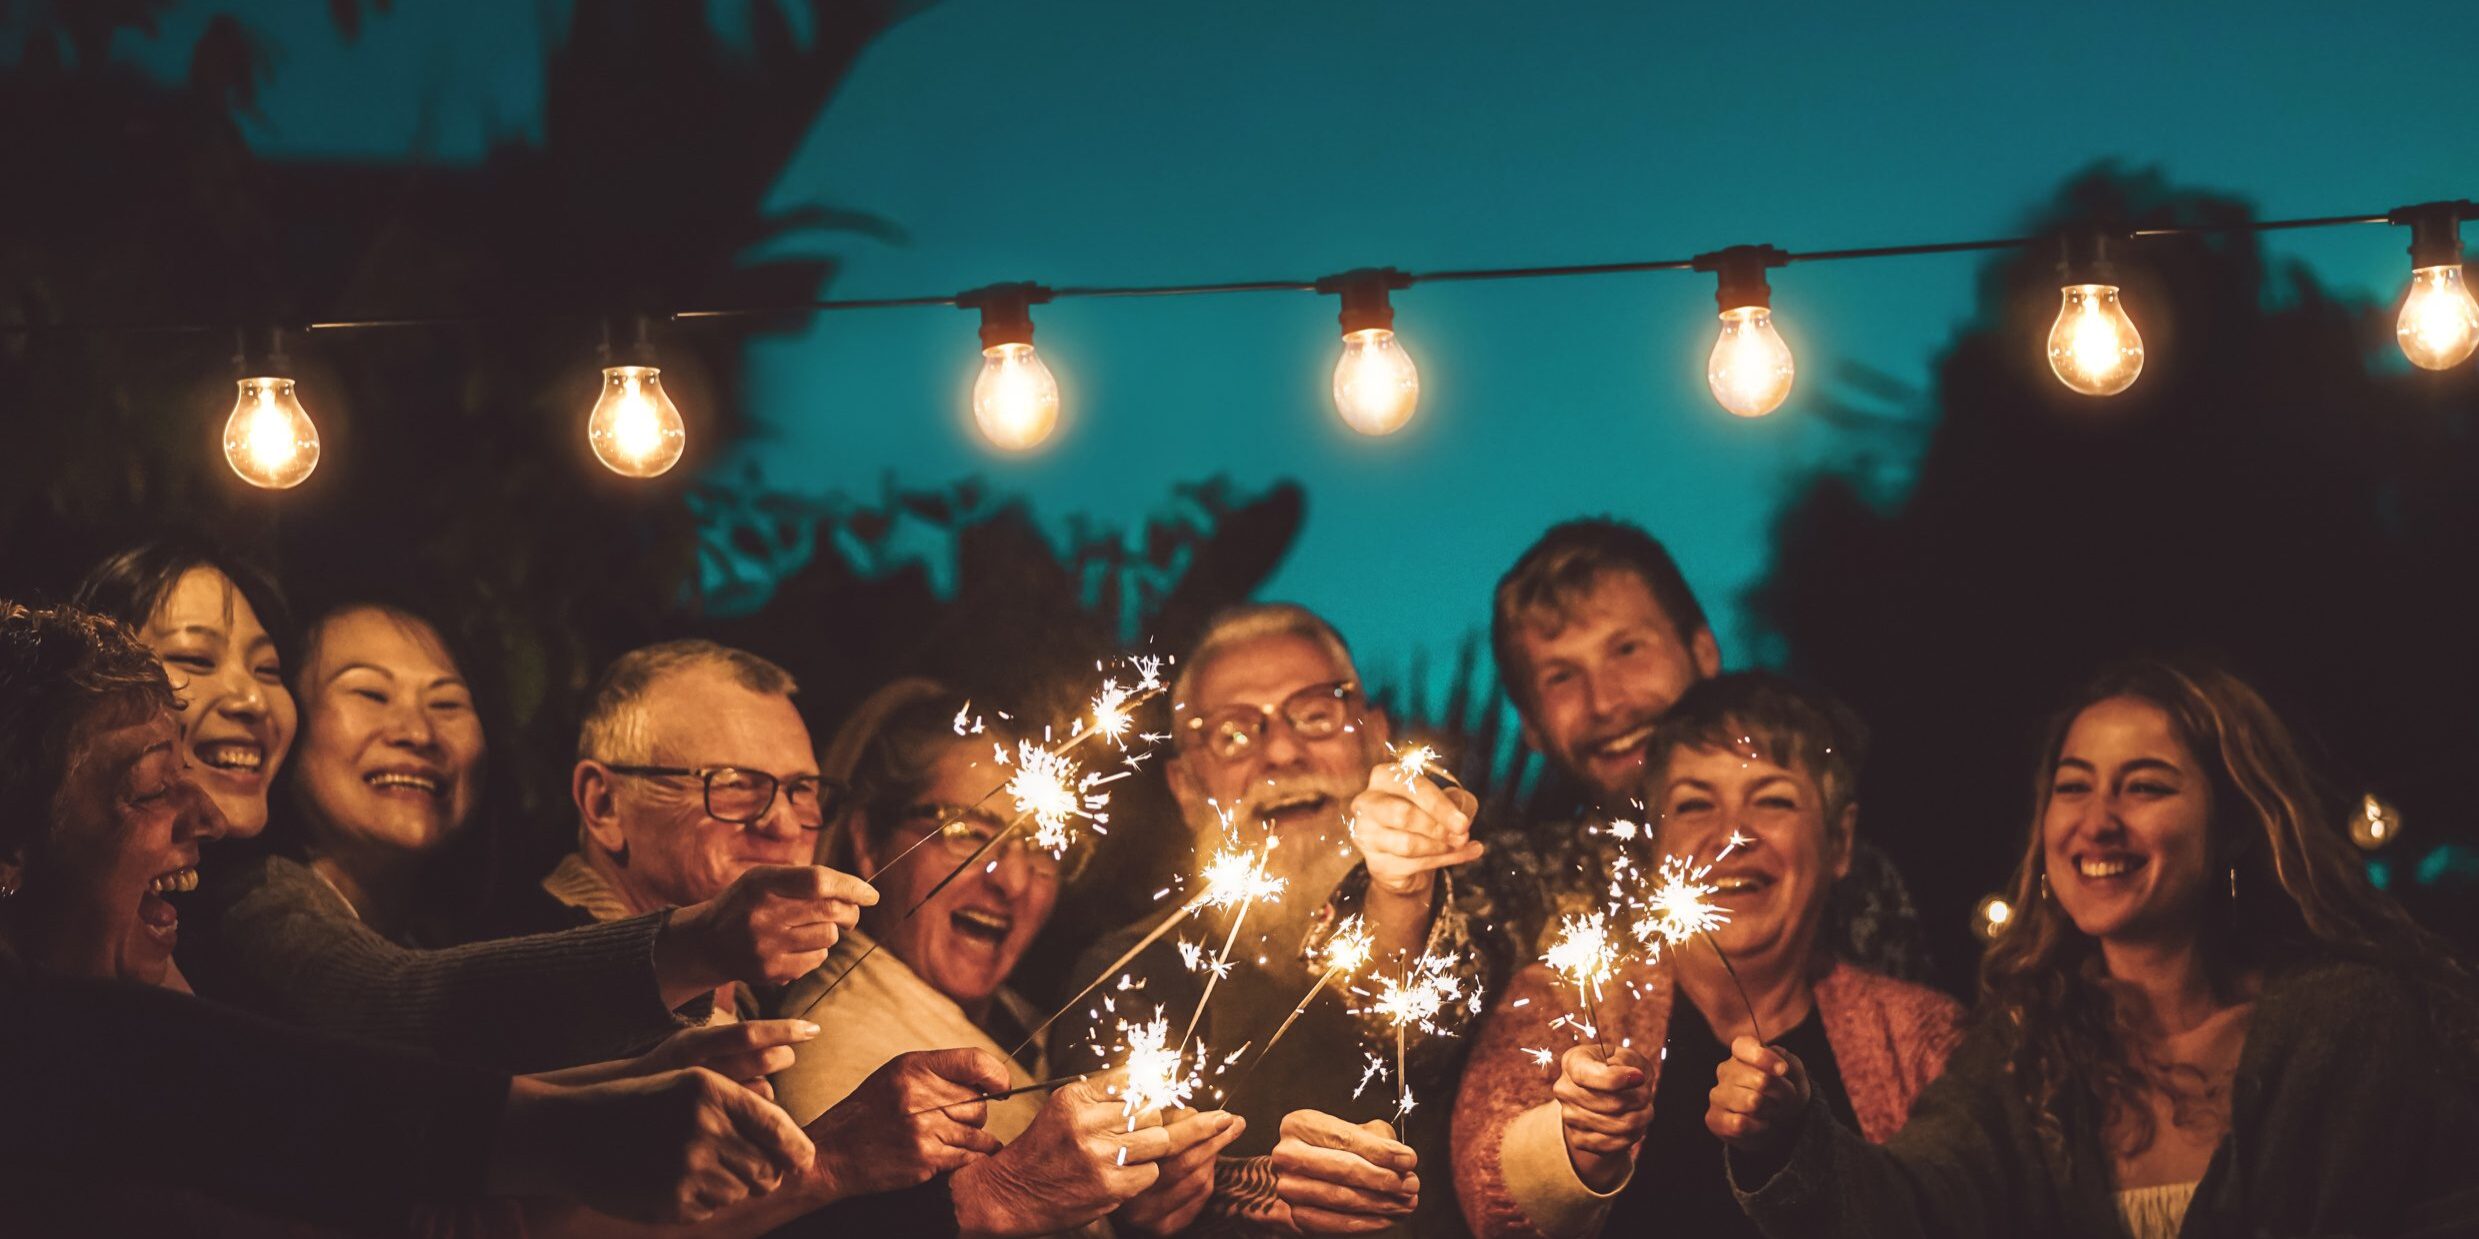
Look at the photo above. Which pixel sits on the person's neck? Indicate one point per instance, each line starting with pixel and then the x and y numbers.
pixel 2170 978
pixel 378 883
pixel 1776 986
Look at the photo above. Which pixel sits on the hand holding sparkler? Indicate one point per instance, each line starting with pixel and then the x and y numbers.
pixel 1185 1183
pixel 1605 1101
pixel 773 924
pixel 1332 1177
pixel 1587 958
pixel 1082 1157
pixel 1759 1095
pixel 1407 827
pixel 917 1116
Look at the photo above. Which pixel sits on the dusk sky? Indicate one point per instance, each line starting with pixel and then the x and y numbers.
pixel 1119 141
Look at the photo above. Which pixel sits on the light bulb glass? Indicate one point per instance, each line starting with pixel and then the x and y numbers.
pixel 269 439
pixel 1750 370
pixel 1376 387
pixel 2094 347
pixel 1991 918
pixel 2439 324
pixel 636 429
pixel 1015 399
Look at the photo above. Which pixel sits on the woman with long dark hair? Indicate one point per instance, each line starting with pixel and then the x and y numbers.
pixel 2204 1020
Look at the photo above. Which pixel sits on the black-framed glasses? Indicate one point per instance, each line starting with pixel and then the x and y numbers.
pixel 963 830
pixel 741 795
pixel 1313 713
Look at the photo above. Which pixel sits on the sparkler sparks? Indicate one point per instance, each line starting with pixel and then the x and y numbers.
pixel 1588 959
pixel 1347 951
pixel 1415 1000
pixel 1232 878
pixel 1680 904
pixel 1159 1076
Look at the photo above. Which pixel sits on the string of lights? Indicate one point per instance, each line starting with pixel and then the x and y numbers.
pixel 635 429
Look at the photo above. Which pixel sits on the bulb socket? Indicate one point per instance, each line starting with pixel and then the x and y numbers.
pixel 1006 311
pixel 1366 304
pixel 2089 255
pixel 2435 232
pixel 259 354
pixel 628 340
pixel 1742 270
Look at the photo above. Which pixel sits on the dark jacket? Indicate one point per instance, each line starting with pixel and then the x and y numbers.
pixel 282 943
pixel 2346 1119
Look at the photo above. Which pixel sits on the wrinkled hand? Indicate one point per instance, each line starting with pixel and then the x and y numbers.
pixel 1333 1178
pixel 771 925
pixel 1759 1094
pixel 748 1051
pixel 1605 1101
pixel 872 1141
pixel 1077 1161
pixel 677 1147
pixel 1408 828
pixel 1185 1180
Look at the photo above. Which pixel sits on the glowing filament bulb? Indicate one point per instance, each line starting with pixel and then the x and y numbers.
pixel 636 429
pixel 1750 370
pixel 2439 323
pixel 1376 387
pixel 1016 400
pixel 269 439
pixel 2094 347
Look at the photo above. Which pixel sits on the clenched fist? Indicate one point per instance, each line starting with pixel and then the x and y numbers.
pixel 1759 1094
pixel 1407 828
pixel 918 1116
pixel 1334 1178
pixel 773 924
pixel 1078 1161
pixel 1605 1101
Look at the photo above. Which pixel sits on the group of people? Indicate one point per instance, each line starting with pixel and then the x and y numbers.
pixel 249 987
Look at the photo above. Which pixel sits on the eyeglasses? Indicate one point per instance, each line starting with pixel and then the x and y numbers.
pixel 741 796
pixel 965 830
pixel 1314 713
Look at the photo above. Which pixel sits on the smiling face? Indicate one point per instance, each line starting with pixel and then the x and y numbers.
pixel 1774 885
pixel 2124 835
pixel 965 941
pixel 391 750
pixel 237 716
pixel 1600 675
pixel 129 821
pixel 676 853
pixel 1297 785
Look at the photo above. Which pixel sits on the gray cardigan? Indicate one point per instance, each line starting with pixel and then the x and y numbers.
pixel 280 941
pixel 2346 1120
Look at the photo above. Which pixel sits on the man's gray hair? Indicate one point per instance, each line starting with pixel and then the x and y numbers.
pixel 616 727
pixel 1256 621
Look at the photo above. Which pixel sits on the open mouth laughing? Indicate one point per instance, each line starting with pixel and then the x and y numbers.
pixel 410 782
pixel 983 925
pixel 2108 868
pixel 161 919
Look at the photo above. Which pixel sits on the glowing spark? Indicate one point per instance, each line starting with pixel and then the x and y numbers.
pixel 1415 761
pixel 1158 1077
pixel 1415 1001
pixel 1056 793
pixel 1234 877
pixel 1540 1057
pixel 1680 905
pixel 1738 840
pixel 1350 946
pixel 1584 954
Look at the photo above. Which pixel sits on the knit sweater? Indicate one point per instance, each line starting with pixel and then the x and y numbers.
pixel 1512 1173
pixel 286 945
pixel 2346 1119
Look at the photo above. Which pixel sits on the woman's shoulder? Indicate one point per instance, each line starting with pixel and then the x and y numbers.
pixel 1907 1001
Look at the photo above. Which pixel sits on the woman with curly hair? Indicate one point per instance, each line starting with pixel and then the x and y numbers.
pixel 2204 1021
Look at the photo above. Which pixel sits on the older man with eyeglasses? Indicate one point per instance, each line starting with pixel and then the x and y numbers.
pixel 1275 740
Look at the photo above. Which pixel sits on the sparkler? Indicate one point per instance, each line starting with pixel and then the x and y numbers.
pixel 1232 878
pixel 1585 955
pixel 1415 1000
pixel 1420 759
pixel 1346 952
pixel 1018 1091
pixel 1680 907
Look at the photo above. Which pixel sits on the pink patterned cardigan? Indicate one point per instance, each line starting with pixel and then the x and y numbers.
pixel 1889 1038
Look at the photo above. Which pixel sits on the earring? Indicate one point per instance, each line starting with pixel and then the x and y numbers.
pixel 2044 885
pixel 7 889
pixel 2233 881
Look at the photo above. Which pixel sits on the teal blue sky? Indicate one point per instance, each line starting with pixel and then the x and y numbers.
pixel 1114 141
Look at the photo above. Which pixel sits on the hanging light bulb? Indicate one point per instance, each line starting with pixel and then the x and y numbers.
pixel 2093 346
pixel 635 429
pixel 1015 398
pixel 1750 370
pixel 1991 918
pixel 2439 324
pixel 2375 824
pixel 1376 386
pixel 269 440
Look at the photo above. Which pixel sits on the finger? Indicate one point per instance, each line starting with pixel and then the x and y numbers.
pixel 1622 1126
pixel 1188 1132
pixel 761 1086
pixel 1144 1146
pixel 967 1139
pixel 1592 1101
pixel 1441 817
pixel 1318 1129
pixel 1387 839
pixel 1335 1198
pixel 977 1070
pixel 768 1129
pixel 1763 1057
pixel 1335 1166
pixel 1321 1222
pixel 1737 1098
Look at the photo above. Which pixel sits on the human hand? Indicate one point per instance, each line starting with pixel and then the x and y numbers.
pixel 676 1147
pixel 1077 1161
pixel 748 1051
pixel 1185 1181
pixel 918 1116
pixel 1605 1101
pixel 1759 1094
pixel 1334 1178
pixel 1407 828
pixel 773 924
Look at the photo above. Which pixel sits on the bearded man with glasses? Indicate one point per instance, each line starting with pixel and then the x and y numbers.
pixel 1273 740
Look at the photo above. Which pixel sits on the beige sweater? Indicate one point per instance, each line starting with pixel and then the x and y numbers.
pixel 886 1009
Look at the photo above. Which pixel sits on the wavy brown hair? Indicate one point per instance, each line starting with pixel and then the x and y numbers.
pixel 2300 895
